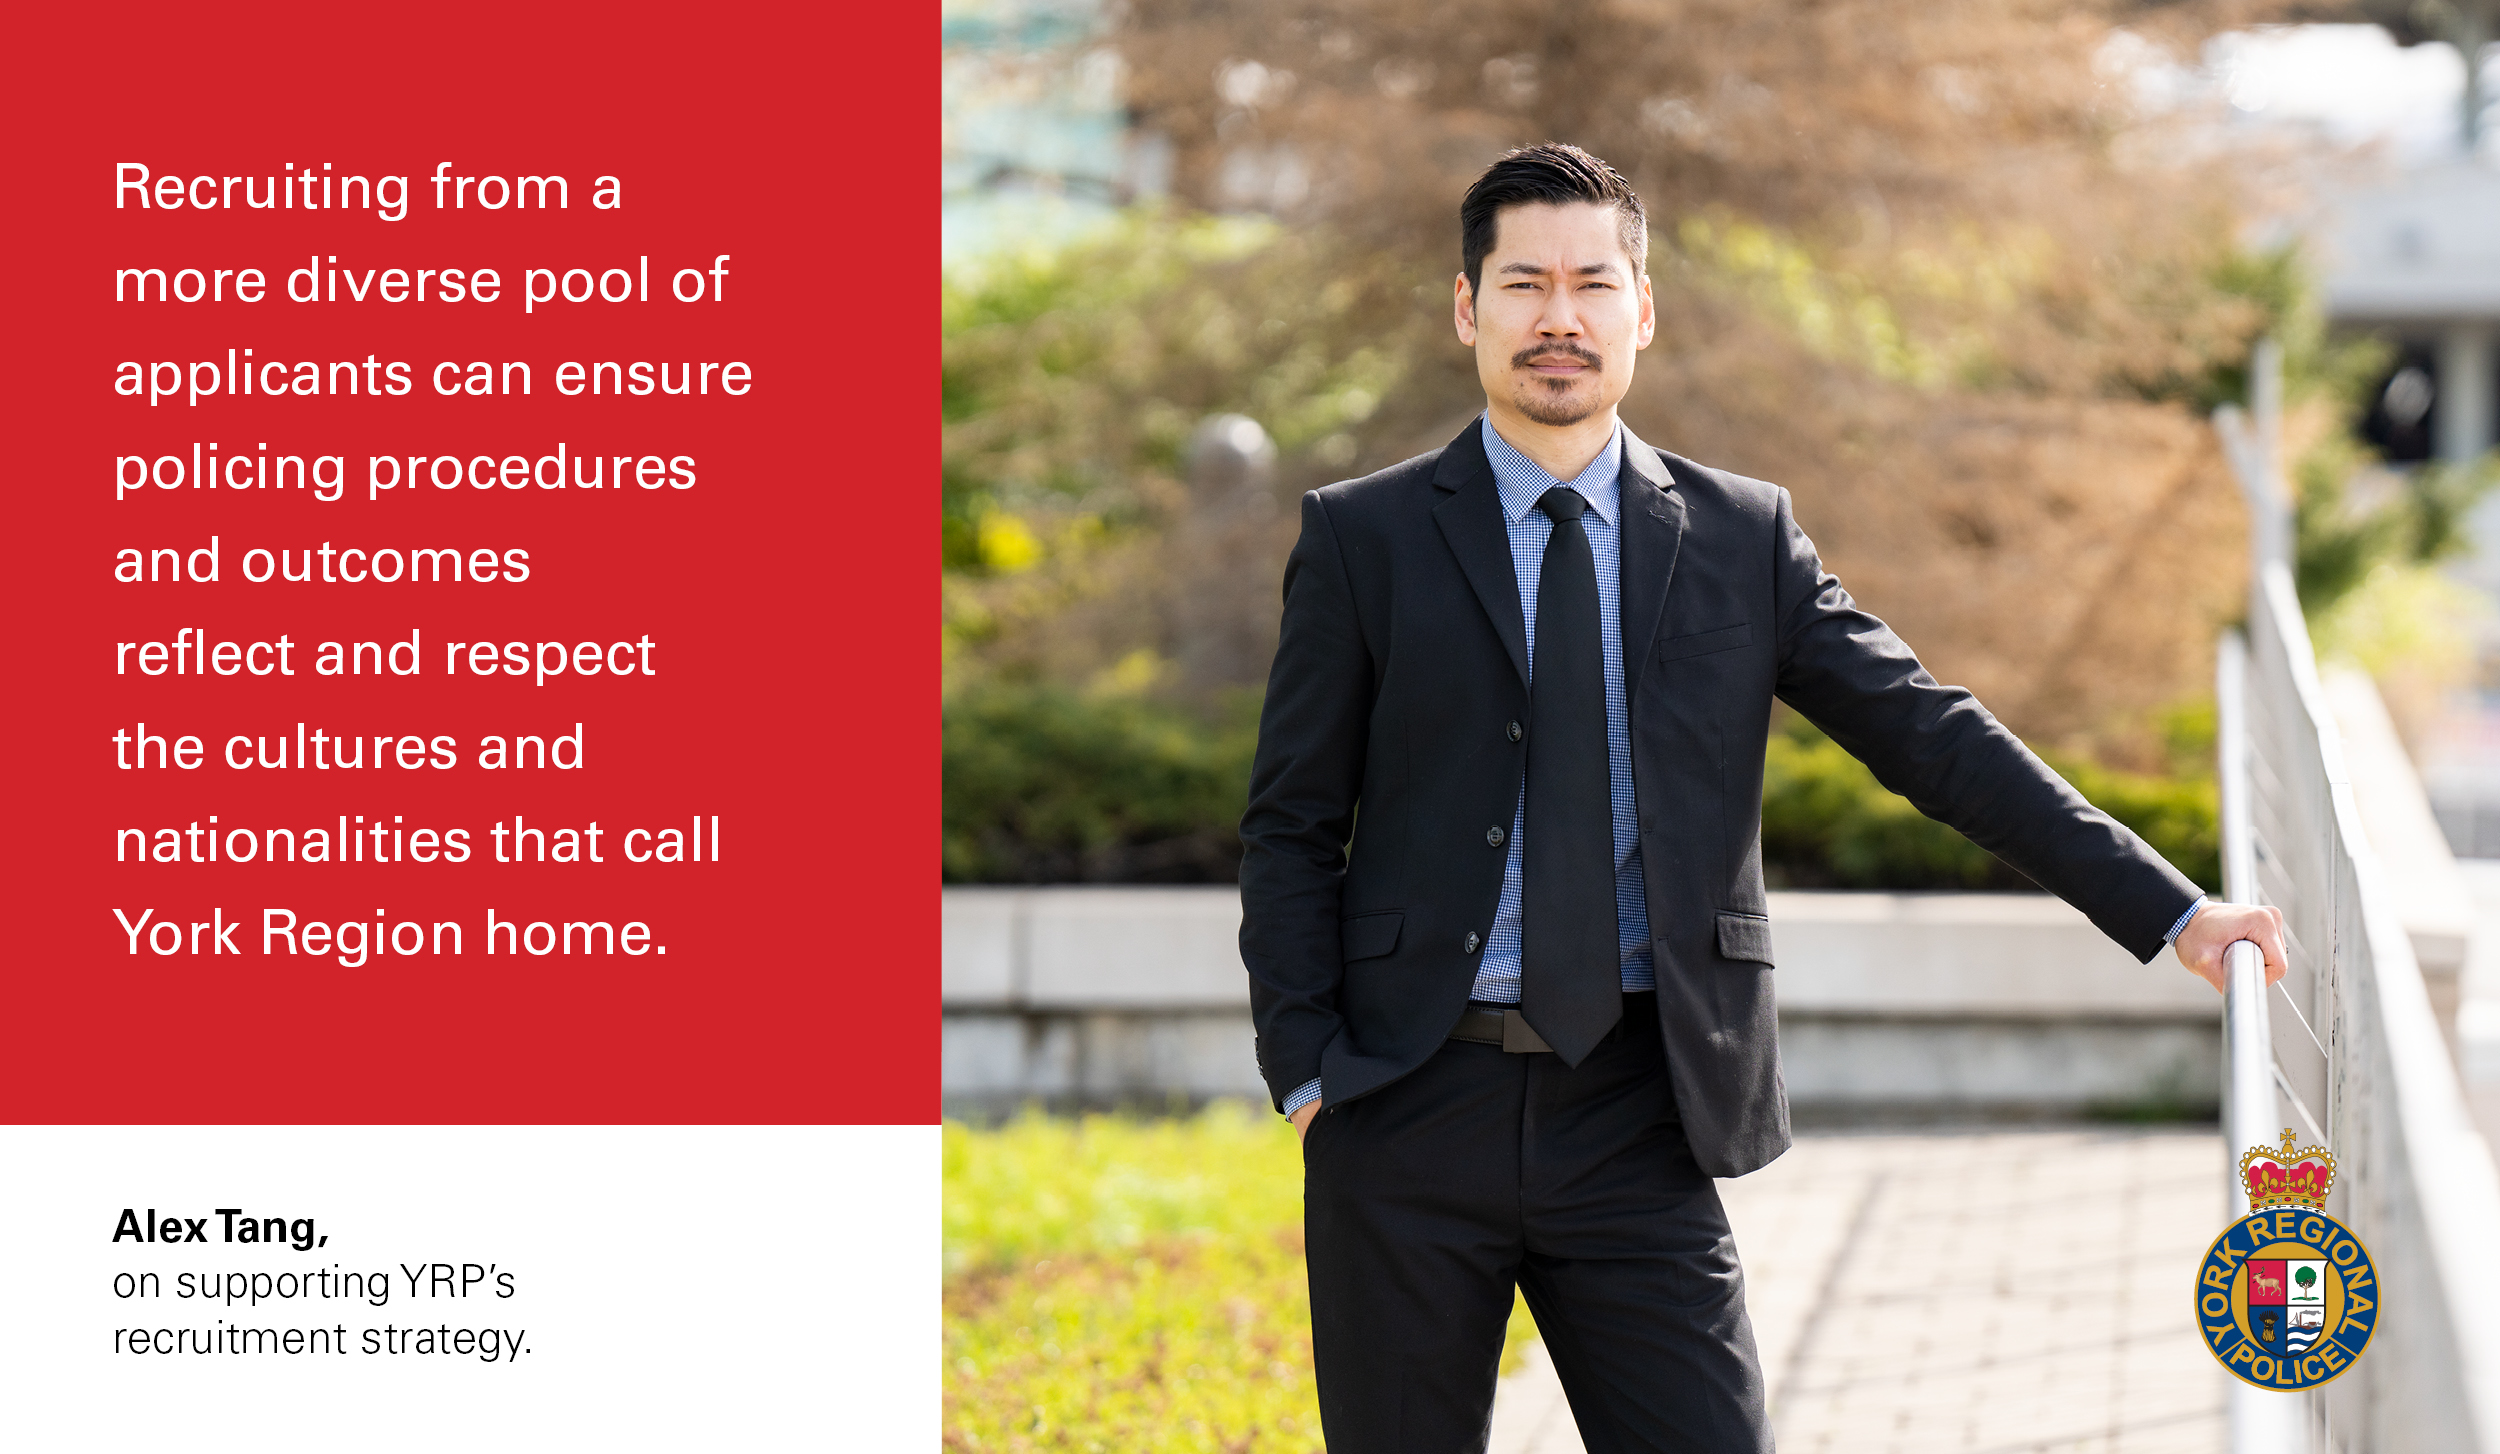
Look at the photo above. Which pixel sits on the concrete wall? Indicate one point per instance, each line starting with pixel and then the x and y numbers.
pixel 1890 1003
pixel 2424 885
pixel 2477 1031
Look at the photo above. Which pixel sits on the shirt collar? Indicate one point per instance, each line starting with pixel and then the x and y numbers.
pixel 1521 480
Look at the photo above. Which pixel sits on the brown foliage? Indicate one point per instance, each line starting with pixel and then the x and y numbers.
pixel 1915 259
pixel 2068 559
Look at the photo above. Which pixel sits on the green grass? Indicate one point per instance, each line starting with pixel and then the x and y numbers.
pixel 1116 1284
pixel 1043 1185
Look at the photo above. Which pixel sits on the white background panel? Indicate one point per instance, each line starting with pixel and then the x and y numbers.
pixel 682 1287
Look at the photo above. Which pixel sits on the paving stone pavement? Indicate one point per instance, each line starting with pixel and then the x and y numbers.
pixel 1984 1292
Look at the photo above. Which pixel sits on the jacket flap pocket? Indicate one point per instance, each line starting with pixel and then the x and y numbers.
pixel 1701 643
pixel 1371 935
pixel 1745 936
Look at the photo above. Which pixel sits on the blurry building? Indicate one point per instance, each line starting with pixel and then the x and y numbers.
pixel 2412 256
pixel 1036 143
pixel 2415 258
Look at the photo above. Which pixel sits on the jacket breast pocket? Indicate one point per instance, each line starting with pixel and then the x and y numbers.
pixel 1745 936
pixel 1702 643
pixel 1368 936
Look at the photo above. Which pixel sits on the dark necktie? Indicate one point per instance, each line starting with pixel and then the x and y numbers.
pixel 1571 977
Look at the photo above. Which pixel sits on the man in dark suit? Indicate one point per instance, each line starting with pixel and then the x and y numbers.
pixel 1503 907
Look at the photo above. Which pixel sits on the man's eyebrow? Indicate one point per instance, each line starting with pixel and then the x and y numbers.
pixel 1587 270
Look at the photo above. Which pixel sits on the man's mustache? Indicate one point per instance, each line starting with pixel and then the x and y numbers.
pixel 1527 356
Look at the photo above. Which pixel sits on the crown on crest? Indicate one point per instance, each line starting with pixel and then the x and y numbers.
pixel 2285 1177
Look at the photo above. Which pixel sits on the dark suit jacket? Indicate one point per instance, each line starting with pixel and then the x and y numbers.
pixel 1401 666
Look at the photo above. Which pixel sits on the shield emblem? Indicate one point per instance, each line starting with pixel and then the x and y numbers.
pixel 2269 1324
pixel 2286 1304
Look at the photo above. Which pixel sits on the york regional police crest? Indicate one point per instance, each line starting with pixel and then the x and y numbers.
pixel 2287 1296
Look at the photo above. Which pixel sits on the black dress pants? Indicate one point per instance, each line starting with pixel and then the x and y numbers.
pixel 1427 1201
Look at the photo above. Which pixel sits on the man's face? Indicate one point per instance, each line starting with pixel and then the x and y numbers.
pixel 1560 313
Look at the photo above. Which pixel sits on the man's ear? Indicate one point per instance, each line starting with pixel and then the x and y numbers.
pixel 1464 312
pixel 1649 314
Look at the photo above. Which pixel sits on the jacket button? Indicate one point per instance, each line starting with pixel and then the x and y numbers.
pixel 1515 732
pixel 1495 835
pixel 1472 941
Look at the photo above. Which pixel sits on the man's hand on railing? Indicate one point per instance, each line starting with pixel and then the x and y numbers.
pixel 2217 927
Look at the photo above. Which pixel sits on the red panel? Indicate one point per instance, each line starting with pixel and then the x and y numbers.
pixel 786 594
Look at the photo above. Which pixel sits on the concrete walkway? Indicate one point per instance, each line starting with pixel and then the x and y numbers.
pixel 1988 1292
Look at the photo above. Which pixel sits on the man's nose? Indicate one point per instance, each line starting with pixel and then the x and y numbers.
pixel 1560 319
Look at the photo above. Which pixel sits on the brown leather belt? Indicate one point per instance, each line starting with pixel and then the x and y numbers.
pixel 1495 1025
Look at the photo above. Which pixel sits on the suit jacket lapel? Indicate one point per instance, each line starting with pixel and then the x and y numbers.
pixel 1471 521
pixel 1653 536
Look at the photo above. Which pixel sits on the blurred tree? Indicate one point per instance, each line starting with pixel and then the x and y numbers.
pixel 1071 384
pixel 1922 263
pixel 1927 265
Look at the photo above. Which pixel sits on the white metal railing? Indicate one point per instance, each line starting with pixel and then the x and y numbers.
pixel 2345 1050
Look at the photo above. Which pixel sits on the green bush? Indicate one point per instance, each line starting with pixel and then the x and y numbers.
pixel 1045 785
pixel 1826 823
pixel 1050 786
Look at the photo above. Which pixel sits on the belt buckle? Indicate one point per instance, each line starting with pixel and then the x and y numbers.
pixel 1519 1037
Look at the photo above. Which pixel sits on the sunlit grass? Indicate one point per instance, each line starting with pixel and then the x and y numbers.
pixel 1041 1185
pixel 1117 1284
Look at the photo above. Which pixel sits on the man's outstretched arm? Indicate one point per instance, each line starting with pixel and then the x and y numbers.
pixel 1938 747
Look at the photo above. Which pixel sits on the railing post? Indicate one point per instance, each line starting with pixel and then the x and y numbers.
pixel 2261 1422
pixel 2252 443
pixel 2239 847
pixel 2248 1103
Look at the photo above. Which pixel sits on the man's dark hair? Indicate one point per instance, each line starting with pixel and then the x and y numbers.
pixel 1556 173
